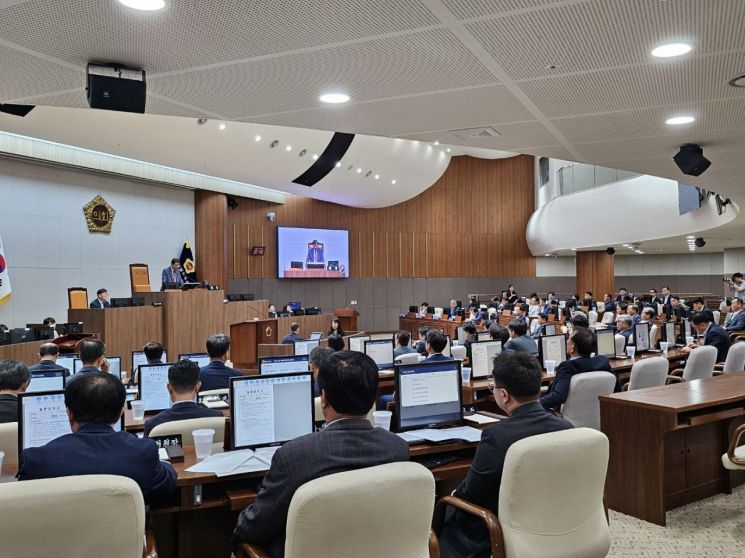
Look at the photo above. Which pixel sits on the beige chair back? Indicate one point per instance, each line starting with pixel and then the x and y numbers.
pixel 221 391
pixel 735 361
pixel 318 412
pixel 77 298
pixel 717 316
pixel 550 519
pixel 458 352
pixel 653 332
pixel 582 407
pixel 700 363
pixel 186 427
pixel 592 317
pixel 620 344
pixel 384 510
pixel 411 358
pixel 9 442
pixel 91 516
pixel 139 278
pixel 650 372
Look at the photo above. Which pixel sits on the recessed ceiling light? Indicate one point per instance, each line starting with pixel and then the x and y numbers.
pixel 448 150
pixel 672 49
pixel 221 126
pixel 393 181
pixel 359 170
pixel 691 236
pixel 257 138
pixel 334 98
pixel 437 142
pixel 377 176
pixel 144 5
pixel 677 120
pixel 315 156
pixel 338 164
pixel 288 148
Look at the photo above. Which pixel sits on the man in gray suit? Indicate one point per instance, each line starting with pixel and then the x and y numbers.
pixel 735 320
pixel 171 276
pixel 349 383
pixel 520 341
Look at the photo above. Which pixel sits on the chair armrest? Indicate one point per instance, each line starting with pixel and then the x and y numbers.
pixel 736 435
pixel 252 551
pixel 150 550
pixel 676 372
pixel 434 545
pixel 719 366
pixel 674 380
pixel 625 387
pixel 496 538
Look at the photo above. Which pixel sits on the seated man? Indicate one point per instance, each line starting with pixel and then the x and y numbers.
pixel 674 307
pixel 625 327
pixel 608 304
pixel 633 312
pixel 315 359
pixel 435 344
pixel 471 337
pixel 540 331
pixel 403 338
pixel 91 354
pixel 48 353
pixel 519 338
pixel 153 352
pixel 709 334
pixel 699 307
pixel 515 384
pixel 101 300
pixel 94 402
pixel 735 320
pixel 499 333
pixel 216 375
pixel 294 334
pixel 580 345
pixel 315 253
pixel 421 347
pixel 349 383
pixel 183 386
pixel 622 293
pixel 14 379
pixel 453 310
pixel 588 301
pixel 336 342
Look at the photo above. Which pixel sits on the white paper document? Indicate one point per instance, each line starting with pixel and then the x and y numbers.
pixel 481 419
pixel 222 463
pixel 466 433
pixel 409 437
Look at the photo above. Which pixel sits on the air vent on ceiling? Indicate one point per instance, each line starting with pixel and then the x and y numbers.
pixel 476 133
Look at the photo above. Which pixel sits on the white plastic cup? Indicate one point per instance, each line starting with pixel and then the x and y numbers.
pixel 631 351
pixel 2 456
pixel 138 409
pixel 203 442
pixel 550 367
pixel 664 345
pixel 465 374
pixel 689 340
pixel 382 419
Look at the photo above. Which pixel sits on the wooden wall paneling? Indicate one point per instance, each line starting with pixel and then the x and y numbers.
pixel 393 254
pixel 406 253
pixel 419 249
pixel 27 353
pixel 380 254
pixel 355 254
pixel 239 251
pixel 269 259
pixel 211 227
pixel 595 273
pixel 367 253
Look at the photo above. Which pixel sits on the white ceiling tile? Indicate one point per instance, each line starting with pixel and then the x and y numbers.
pixel 24 75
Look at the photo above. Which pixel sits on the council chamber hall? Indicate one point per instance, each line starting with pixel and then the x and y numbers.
pixel 407 278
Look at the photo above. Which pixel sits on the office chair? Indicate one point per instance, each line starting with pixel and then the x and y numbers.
pixel 186 427
pixel 592 316
pixel 582 407
pixel 384 510
pixel 717 316
pixel 318 412
pixel 650 372
pixel 9 442
pixel 734 459
pixel 620 344
pixel 539 516
pixel 700 364
pixel 735 361
pixel 77 298
pixel 458 352
pixel 608 317
pixel 411 358
pixel 85 516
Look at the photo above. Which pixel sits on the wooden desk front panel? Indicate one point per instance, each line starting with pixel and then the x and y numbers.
pixel 25 352
pixel 412 325
pixel 320 322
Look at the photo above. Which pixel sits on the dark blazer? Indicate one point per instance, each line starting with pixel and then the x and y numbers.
pixel 8 408
pixel 437 357
pixel 453 312
pixel 290 338
pixel 180 411
pixel 705 312
pixel 736 322
pixel 82 372
pixel 558 391
pixel 95 303
pixel 216 375
pixel 421 348
pixel 717 337
pixel 464 536
pixel 46 366
pixel 96 449
pixel 166 277
pixel 523 344
pixel 467 344
pixel 609 306
pixel 344 445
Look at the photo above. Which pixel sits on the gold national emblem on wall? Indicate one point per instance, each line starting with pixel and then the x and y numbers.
pixel 268 331
pixel 99 215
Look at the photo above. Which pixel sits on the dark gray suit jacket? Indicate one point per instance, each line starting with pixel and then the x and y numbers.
pixel 344 445
pixel 465 536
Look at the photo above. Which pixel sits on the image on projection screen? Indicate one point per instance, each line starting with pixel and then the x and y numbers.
pixel 312 253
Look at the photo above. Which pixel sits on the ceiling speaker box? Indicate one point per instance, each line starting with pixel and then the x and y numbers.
pixel 690 159
pixel 116 89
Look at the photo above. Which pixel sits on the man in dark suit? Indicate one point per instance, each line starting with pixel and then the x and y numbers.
pixel 421 346
pixel 216 375
pixel 735 320
pixel 516 384
pixel 91 354
pixel 666 295
pixel 102 299
pixel 14 379
pixel 349 383
pixel 653 299
pixel 520 341
pixel 540 331
pixel 608 304
pixel 453 310
pixel 699 307
pixel 625 327
pixel 471 337
pixel 48 359
pixel 580 345
pixel 183 386
pixel 435 344
pixel 94 402
pixel 621 294
pixel 293 336
pixel 709 334
pixel 172 275
pixel 315 253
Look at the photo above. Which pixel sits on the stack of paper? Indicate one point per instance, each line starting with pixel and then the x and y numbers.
pixel 481 419
pixel 466 433
pixel 236 462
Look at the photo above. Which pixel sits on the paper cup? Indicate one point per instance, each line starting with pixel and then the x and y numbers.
pixel 689 340
pixel 382 419
pixel 663 346
pixel 138 409
pixel 465 374
pixel 631 351
pixel 550 367
pixel 203 442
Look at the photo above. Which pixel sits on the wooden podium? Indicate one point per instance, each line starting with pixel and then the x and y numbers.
pixel 246 336
pixel 347 318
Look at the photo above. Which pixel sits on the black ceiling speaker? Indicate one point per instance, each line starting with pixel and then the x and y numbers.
pixel 17 110
pixel 232 202
pixel 115 87
pixel 690 159
pixel 610 250
pixel 700 242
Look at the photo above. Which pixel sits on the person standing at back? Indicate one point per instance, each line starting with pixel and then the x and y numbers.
pixel 216 375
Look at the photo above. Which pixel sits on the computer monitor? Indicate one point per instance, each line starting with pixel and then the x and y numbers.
pixel 153 390
pixel 294 306
pixel 41 332
pixel 668 333
pixel 283 364
pixel 42 417
pixel 552 347
pixel 427 395
pixel 381 351
pixel 446 351
pixel 382 336
pixel 315 335
pixel 46 380
pixel 138 358
pixel 21 335
pixel 305 347
pixel 270 410
pixel 67 361
pixel 641 337
pixel 482 357
pixel 71 327
pixel 687 327
pixel 115 365
pixel 606 343
pixel 460 334
pixel 357 343
pixel 483 336
pixel 549 329
pixel 202 359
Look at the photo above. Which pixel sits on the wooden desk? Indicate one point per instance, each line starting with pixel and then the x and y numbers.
pixel 412 324
pixel 666 444
pixel 25 352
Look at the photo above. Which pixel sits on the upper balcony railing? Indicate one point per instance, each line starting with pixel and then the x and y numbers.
pixel 579 177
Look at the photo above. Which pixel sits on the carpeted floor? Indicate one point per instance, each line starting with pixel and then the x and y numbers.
pixel 713 528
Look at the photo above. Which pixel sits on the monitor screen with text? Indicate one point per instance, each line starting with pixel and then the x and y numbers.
pixel 115 366
pixel 428 394
pixel 270 410
pixel 67 361
pixel 641 336
pixel 305 347
pixel 381 351
pixel 202 359
pixel 606 343
pixel 358 343
pixel 138 358
pixel 46 380
pixel 482 357
pixel 283 364
pixel 552 347
pixel 153 390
